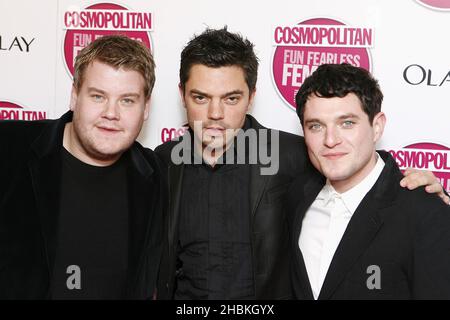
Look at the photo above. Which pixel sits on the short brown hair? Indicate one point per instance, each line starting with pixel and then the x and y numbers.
pixel 338 80
pixel 119 52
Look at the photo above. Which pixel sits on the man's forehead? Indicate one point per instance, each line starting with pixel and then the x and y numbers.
pixel 334 113
pixel 216 81
pixel 201 70
pixel 334 104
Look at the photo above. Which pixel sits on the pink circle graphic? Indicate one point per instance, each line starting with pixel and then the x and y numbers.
pixel 426 156
pixel 436 4
pixel 76 40
pixel 13 111
pixel 10 111
pixel 9 105
pixel 292 64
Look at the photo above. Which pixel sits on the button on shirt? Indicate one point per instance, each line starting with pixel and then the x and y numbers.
pixel 214 234
pixel 325 222
pixel 214 248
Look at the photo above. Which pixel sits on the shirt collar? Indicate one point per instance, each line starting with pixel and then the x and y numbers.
pixel 352 198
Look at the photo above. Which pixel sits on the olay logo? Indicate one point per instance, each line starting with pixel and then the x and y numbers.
pixel 415 75
pixel 16 43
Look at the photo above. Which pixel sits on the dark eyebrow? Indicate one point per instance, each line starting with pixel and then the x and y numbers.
pixel 313 120
pixel 195 91
pixel 348 115
pixel 131 94
pixel 342 117
pixel 232 93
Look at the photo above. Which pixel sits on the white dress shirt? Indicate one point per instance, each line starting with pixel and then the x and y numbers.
pixel 325 222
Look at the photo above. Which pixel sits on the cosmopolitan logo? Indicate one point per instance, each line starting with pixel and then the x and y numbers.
pixel 108 19
pixel 168 134
pixel 325 35
pixel 415 74
pixel 12 111
pixel 426 156
pixel 98 20
pixel 302 48
pixel 423 159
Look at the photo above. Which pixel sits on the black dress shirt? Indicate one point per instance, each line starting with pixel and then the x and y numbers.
pixel 214 250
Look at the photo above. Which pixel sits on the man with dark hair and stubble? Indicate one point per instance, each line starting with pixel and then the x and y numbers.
pixel 356 233
pixel 227 232
pixel 81 202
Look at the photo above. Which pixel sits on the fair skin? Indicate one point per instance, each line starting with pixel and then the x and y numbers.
pixel 341 144
pixel 108 113
pixel 219 99
pixel 340 139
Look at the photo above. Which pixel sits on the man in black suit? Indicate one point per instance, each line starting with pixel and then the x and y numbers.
pixel 355 233
pixel 81 203
pixel 226 228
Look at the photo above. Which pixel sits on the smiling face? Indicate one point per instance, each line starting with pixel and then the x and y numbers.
pixel 218 98
pixel 340 139
pixel 108 112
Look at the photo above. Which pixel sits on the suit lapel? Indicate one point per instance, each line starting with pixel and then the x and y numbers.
pixel 175 188
pixel 46 179
pixel 258 181
pixel 45 172
pixel 360 232
pixel 175 183
pixel 142 197
pixel 310 190
pixel 257 186
pixel 363 227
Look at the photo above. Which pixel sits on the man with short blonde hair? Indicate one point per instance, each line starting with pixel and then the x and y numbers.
pixel 81 201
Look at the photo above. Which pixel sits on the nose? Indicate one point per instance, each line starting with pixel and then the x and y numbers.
pixel 332 137
pixel 215 110
pixel 111 111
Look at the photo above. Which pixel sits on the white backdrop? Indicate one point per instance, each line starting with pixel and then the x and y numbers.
pixel 35 78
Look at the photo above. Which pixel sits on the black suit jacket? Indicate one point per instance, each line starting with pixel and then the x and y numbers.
pixel 269 230
pixel 404 233
pixel 30 175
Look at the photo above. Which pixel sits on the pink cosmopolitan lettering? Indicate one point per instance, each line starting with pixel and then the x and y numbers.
pixel 301 49
pixel 426 156
pixel 99 20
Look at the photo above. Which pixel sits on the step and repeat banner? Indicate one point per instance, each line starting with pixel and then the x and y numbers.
pixel 405 44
